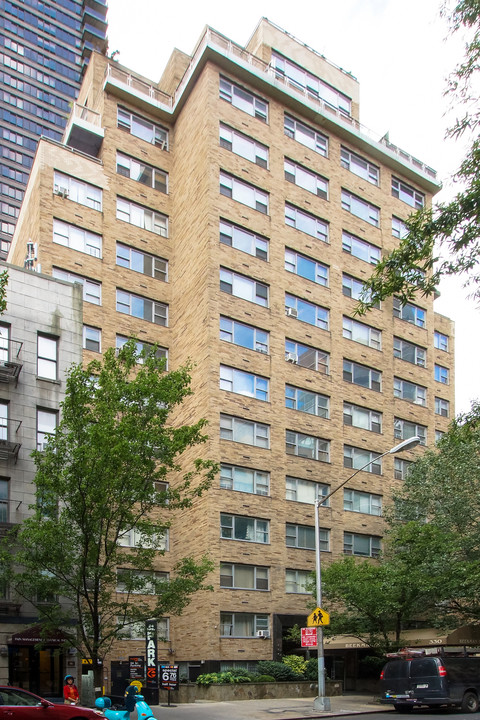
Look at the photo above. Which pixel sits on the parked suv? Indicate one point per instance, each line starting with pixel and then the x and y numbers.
pixel 431 681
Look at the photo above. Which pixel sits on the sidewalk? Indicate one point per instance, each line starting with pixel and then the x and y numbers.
pixel 284 709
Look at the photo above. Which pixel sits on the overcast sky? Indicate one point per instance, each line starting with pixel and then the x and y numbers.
pixel 400 52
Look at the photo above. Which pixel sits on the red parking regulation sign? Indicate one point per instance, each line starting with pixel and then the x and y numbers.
pixel 309 637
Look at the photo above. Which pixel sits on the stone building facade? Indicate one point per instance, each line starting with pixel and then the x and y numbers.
pixel 230 214
pixel 40 337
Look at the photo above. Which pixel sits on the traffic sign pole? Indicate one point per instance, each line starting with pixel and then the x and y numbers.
pixel 321 702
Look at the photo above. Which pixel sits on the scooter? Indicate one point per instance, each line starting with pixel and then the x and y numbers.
pixel 133 701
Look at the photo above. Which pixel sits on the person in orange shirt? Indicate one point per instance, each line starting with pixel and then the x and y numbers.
pixel 70 692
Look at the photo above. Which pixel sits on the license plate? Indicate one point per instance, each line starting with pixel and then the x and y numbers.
pixel 424 685
pixel 397 697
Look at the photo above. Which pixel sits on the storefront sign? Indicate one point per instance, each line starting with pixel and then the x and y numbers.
pixel 151 653
pixel 169 677
pixel 137 667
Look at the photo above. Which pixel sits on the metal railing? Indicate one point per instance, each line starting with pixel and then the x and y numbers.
pixel 231 49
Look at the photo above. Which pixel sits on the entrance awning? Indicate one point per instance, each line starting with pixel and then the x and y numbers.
pixel 468 635
pixel 33 636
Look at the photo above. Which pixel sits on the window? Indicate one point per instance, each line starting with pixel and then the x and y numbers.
pixel 307 312
pixel 440 341
pixel 407 194
pixel 306 179
pixel 307 357
pixel 305 491
pixel 141 262
pixel 401 468
pixel 361 333
pixel 409 391
pixel 353 288
pixel 362 502
pixel 141 172
pixel 4 434
pixel 305 80
pixel 409 312
pixel 244 240
pixel 243 577
pixel 442 374
pixel 243 145
pixel 244 431
pixel 4 514
pixel 77 238
pixel 47 357
pixel 243 287
pixel 363 545
pixel 77 190
pixel 303 536
pixel 92 338
pixel 92 290
pixel 442 407
pixel 142 348
pixel 438 436
pixel 241 479
pixel 399 229
pixel 136 630
pixel 361 417
pixel 296 581
pixel 242 624
pixel 246 336
pixel 46 425
pixel 306 267
pixel 306 401
pixel 243 192
pixel 307 446
pixel 359 166
pixel 142 217
pixel 360 248
pixel 140 307
pixel 362 375
pixel 139 582
pixel 142 128
pixel 306 135
pixel 357 458
pixel 243 100
pixel 134 539
pixel 243 383
pixel 361 208
pixel 241 527
pixel 409 352
pixel 306 223
pixel 405 429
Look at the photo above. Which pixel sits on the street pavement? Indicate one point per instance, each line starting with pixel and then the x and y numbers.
pixel 283 709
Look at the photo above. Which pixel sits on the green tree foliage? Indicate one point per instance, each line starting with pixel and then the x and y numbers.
pixel 439 511
pixel 96 482
pixel 375 601
pixel 3 291
pixel 278 670
pixel 443 240
pixel 296 662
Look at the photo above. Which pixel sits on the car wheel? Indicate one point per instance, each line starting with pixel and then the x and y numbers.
pixel 403 707
pixel 469 703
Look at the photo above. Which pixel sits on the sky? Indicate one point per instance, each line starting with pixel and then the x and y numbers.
pixel 401 53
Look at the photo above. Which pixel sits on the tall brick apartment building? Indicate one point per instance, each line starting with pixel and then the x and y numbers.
pixel 230 213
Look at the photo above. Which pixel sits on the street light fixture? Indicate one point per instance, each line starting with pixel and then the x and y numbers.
pixel 321 702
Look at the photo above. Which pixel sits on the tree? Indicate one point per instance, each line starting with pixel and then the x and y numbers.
pixel 376 601
pixel 441 499
pixel 3 291
pixel 100 480
pixel 443 240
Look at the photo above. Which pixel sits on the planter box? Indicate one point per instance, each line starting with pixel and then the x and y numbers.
pixel 189 692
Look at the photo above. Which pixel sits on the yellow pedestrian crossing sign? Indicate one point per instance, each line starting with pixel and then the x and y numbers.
pixel 318 617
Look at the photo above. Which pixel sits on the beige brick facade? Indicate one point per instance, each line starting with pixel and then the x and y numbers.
pixel 194 206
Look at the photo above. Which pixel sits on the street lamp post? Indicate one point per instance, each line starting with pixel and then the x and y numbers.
pixel 321 702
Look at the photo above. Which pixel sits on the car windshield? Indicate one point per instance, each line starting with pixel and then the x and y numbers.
pixel 12 696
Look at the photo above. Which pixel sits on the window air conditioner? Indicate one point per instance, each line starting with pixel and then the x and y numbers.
pixel 291 357
pixel 62 191
pixel 291 312
pixel 263 634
